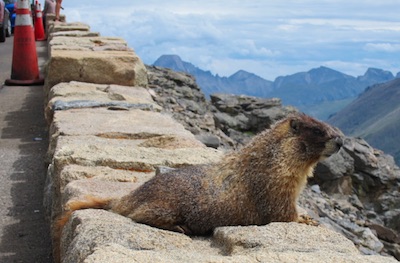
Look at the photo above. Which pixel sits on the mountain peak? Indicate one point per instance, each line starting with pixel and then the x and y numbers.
pixel 322 70
pixel 241 71
pixel 242 74
pixel 170 61
pixel 171 57
pixel 248 79
pixel 378 72
pixel 376 75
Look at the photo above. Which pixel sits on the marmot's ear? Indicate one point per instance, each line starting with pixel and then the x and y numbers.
pixel 295 125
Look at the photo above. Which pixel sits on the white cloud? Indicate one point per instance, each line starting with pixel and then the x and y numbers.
pixel 247 48
pixel 385 47
pixel 269 38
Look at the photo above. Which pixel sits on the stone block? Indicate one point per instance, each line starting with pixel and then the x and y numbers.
pixel 117 253
pixel 78 182
pixel 131 125
pixel 103 190
pixel 74 26
pixel 126 154
pixel 106 67
pixel 64 96
pixel 89 43
pixel 100 236
pixel 73 172
pixel 76 34
pixel 280 237
pixel 88 229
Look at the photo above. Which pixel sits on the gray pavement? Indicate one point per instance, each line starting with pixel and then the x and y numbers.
pixel 24 232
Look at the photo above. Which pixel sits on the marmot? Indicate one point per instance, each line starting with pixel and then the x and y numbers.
pixel 255 185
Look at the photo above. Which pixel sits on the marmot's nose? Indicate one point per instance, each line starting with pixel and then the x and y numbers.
pixel 339 141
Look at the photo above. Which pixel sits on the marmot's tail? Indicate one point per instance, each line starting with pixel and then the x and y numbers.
pixel 88 202
pixel 70 207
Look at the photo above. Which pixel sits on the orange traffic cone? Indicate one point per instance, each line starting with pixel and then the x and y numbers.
pixel 39 28
pixel 25 69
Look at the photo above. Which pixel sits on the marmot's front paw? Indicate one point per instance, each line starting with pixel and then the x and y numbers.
pixel 306 219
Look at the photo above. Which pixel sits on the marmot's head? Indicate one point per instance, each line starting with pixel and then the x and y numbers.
pixel 316 140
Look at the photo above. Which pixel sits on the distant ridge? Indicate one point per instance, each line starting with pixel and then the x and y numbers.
pixel 374 116
pixel 175 62
pixel 375 75
pixel 242 82
pixel 315 86
pixel 319 92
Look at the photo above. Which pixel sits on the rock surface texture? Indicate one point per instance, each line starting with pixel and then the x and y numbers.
pixel 100 236
pixel 114 124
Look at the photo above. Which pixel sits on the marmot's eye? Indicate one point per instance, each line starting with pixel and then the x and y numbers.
pixel 318 132
pixel 295 126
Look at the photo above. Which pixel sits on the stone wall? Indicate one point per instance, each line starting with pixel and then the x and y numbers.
pixel 107 136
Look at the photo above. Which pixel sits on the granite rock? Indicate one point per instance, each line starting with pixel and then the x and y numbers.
pixel 100 236
pixel 106 67
pixel 64 96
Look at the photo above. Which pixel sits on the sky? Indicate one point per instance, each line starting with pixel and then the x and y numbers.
pixel 269 38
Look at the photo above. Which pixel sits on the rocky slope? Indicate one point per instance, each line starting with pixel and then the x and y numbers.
pixel 355 192
pixel 227 121
pixel 374 116
pixel 180 96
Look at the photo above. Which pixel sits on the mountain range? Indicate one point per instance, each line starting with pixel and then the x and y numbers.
pixel 242 82
pixel 319 92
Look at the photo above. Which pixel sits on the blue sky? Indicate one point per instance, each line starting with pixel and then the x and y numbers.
pixel 269 38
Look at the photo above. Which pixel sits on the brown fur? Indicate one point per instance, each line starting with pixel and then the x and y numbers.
pixel 256 185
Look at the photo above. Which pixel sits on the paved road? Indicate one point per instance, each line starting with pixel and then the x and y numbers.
pixel 24 233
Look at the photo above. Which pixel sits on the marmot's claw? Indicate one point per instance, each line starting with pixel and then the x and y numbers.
pixel 182 229
pixel 306 219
